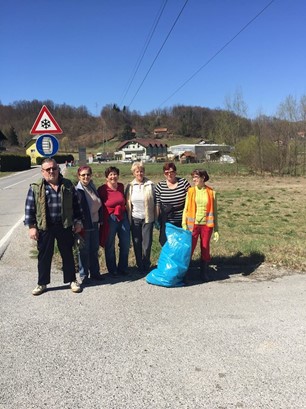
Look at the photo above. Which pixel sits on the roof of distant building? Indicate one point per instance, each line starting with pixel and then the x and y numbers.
pixel 160 130
pixel 143 142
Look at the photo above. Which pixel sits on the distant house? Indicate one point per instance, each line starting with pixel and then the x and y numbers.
pixel 160 131
pixel 141 149
pixel 31 150
pixel 201 151
pixel 188 157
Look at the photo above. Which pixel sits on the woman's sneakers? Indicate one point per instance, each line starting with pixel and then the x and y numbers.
pixel 75 287
pixel 39 289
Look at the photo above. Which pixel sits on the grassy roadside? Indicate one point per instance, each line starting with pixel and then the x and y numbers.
pixel 261 218
pixel 3 174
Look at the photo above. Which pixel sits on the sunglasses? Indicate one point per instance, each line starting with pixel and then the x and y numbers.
pixel 85 174
pixel 49 169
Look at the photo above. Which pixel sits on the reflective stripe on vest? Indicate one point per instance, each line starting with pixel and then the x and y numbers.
pixel 190 216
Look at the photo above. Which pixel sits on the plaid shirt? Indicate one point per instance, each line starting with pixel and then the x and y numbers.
pixel 54 206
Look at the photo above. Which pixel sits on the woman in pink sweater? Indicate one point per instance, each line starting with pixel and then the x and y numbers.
pixel 115 222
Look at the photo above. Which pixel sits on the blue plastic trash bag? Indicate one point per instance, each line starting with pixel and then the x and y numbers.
pixel 174 258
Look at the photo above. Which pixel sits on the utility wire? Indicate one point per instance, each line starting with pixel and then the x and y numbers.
pixel 145 77
pixel 217 53
pixel 146 45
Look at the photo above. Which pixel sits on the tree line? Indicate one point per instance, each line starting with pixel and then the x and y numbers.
pixel 264 144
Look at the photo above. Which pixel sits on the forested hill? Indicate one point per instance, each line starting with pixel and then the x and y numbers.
pixel 79 125
pixel 265 144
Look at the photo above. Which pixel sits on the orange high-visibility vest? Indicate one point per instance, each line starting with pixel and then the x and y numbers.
pixel 192 207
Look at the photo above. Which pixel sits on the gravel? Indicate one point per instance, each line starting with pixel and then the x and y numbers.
pixel 238 342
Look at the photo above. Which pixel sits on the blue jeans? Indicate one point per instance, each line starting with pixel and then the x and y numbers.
pixel 88 253
pixel 122 230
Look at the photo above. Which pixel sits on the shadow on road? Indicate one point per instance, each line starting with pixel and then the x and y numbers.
pixel 221 268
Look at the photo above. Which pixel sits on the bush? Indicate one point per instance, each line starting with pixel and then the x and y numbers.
pixel 11 163
pixel 58 158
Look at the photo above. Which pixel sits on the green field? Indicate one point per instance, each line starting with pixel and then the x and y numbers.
pixel 261 218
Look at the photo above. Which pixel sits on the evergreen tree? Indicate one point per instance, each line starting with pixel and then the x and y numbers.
pixel 2 137
pixel 12 137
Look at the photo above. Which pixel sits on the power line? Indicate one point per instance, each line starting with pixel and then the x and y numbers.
pixel 146 44
pixel 217 53
pixel 145 77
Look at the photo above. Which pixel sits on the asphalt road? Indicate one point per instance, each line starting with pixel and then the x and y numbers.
pixel 233 343
pixel 13 190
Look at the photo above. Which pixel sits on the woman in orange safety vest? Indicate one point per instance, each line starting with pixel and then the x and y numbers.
pixel 200 217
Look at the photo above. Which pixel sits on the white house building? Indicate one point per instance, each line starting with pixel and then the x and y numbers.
pixel 202 151
pixel 141 149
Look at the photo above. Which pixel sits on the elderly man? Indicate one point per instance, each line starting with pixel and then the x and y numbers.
pixel 52 211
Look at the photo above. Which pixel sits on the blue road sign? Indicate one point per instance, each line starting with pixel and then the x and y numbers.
pixel 47 145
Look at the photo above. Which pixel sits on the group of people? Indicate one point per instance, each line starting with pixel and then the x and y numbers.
pixel 57 210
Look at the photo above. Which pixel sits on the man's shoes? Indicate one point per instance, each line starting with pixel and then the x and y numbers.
pixel 39 289
pixel 98 277
pixel 75 287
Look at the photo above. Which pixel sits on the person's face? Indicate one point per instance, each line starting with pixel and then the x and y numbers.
pixel 50 172
pixel 139 174
pixel 170 175
pixel 199 182
pixel 85 177
pixel 112 178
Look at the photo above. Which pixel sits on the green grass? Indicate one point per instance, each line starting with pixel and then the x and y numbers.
pixel 2 174
pixel 260 218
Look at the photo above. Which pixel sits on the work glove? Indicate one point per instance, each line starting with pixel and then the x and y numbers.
pixel 216 236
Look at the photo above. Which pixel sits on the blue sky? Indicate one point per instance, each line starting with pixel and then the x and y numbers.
pixel 85 52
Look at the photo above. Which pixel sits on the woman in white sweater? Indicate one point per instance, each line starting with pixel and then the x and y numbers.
pixel 140 204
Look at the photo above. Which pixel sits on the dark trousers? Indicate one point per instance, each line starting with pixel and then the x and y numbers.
pixel 45 246
pixel 162 231
pixel 142 236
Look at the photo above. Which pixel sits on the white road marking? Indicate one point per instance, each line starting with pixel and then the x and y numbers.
pixel 9 233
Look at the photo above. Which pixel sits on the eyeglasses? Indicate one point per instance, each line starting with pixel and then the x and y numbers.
pixel 169 172
pixel 49 169
pixel 85 174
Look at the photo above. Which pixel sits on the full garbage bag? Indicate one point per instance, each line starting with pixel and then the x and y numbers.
pixel 174 258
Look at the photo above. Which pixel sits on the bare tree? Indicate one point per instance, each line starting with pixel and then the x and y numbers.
pixel 289 112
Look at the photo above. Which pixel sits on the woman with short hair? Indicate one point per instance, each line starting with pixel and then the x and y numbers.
pixel 170 199
pixel 115 222
pixel 140 203
pixel 89 266
pixel 200 217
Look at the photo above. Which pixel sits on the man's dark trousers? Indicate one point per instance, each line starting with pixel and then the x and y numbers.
pixel 45 246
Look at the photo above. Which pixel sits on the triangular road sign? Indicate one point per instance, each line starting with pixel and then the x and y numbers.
pixel 45 123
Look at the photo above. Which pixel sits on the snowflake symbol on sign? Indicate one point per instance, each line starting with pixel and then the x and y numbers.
pixel 46 123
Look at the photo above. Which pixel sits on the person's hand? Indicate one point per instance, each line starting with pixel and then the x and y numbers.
pixel 156 225
pixel 33 233
pixel 184 226
pixel 78 226
pixel 216 236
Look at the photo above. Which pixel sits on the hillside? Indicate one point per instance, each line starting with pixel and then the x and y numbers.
pixel 274 145
pixel 114 125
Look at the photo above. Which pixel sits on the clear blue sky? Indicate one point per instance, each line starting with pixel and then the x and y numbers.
pixel 85 52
